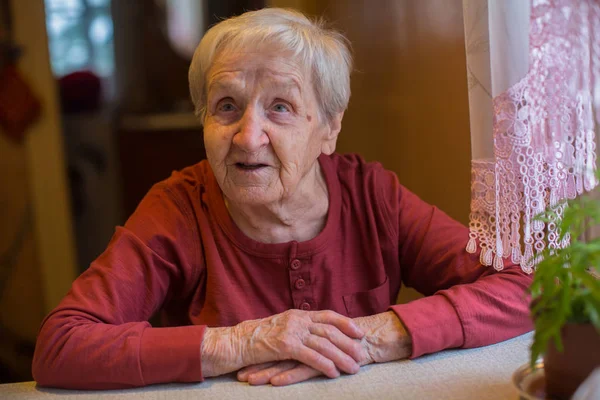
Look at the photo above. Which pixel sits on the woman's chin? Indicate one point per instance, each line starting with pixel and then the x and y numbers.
pixel 252 196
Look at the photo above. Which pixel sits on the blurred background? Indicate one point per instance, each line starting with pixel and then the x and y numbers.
pixel 94 109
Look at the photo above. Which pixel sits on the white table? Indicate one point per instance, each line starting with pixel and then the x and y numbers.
pixel 483 373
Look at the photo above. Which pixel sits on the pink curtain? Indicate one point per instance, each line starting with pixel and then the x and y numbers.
pixel 533 125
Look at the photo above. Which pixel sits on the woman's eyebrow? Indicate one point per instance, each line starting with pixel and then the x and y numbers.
pixel 220 84
pixel 289 86
pixel 287 81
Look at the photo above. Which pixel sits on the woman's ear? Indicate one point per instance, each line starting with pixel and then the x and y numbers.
pixel 330 139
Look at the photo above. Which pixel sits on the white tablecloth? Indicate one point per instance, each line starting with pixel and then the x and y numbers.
pixel 483 373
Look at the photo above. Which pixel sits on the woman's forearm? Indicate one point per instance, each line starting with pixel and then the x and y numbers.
pixel 386 338
pixel 221 351
pixel 76 351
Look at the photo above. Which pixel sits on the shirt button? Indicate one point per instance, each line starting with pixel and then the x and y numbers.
pixel 295 264
pixel 300 283
pixel 305 306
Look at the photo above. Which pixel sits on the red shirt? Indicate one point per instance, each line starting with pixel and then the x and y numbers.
pixel 182 253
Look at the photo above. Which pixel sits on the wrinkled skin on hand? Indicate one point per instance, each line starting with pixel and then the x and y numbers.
pixel 325 341
pixel 385 340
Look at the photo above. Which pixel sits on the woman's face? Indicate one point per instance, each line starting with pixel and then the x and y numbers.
pixel 263 131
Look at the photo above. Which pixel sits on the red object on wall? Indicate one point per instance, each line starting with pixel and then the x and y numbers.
pixel 80 91
pixel 19 107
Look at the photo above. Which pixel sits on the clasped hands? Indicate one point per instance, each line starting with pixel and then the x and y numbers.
pixel 296 345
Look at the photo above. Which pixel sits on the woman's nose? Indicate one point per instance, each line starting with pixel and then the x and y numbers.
pixel 251 135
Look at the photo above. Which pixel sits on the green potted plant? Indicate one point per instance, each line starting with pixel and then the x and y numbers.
pixel 566 299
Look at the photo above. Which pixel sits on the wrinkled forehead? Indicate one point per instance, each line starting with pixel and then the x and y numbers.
pixel 271 71
pixel 264 61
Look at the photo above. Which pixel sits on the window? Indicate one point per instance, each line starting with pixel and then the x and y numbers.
pixel 80 36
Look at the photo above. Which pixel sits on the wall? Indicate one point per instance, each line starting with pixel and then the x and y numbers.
pixel 34 184
pixel 45 158
pixel 409 106
pixel 21 301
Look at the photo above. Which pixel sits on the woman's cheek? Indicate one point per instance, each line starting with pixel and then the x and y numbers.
pixel 286 145
pixel 217 141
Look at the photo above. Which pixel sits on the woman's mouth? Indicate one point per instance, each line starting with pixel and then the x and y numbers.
pixel 249 167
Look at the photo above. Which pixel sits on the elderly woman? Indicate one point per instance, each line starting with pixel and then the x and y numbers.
pixel 275 257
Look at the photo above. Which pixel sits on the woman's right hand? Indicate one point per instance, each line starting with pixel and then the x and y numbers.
pixel 323 340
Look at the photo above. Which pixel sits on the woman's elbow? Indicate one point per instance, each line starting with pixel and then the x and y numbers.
pixel 42 374
pixel 53 362
pixel 47 351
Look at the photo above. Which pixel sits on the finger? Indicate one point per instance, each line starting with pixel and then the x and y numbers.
pixel 344 324
pixel 314 359
pixel 263 377
pixel 298 374
pixel 324 347
pixel 243 373
pixel 349 346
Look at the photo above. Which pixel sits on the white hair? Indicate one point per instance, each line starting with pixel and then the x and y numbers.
pixel 323 51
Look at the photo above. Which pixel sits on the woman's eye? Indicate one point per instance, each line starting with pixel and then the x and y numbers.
pixel 226 106
pixel 281 108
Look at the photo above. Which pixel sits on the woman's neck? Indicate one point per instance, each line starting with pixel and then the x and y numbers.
pixel 300 217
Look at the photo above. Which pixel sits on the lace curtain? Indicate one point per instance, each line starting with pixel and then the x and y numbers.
pixel 534 91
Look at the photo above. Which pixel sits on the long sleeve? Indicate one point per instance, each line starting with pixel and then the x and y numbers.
pixel 466 304
pixel 98 337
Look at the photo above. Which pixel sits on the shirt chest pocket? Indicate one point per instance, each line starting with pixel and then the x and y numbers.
pixel 370 302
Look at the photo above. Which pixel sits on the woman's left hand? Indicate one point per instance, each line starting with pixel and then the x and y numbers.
pixel 386 339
